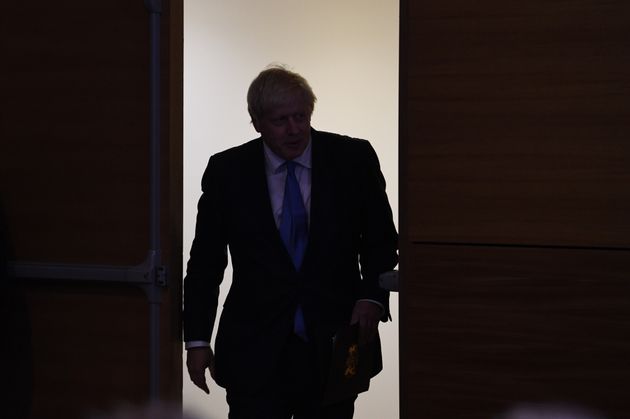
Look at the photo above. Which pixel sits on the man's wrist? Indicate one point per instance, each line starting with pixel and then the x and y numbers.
pixel 374 302
pixel 196 344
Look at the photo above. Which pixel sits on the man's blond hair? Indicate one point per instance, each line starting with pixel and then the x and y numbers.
pixel 275 85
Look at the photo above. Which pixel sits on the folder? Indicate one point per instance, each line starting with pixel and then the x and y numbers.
pixel 352 365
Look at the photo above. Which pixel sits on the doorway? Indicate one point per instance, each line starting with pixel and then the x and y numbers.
pixel 348 51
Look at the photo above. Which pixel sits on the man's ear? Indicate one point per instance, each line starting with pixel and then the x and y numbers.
pixel 255 124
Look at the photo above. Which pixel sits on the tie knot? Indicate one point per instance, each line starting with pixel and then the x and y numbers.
pixel 290 166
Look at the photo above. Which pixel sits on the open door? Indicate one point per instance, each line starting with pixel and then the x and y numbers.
pixel 90 181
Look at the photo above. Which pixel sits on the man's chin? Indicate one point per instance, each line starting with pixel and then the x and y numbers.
pixel 291 152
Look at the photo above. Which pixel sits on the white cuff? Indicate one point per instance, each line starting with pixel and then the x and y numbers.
pixel 196 344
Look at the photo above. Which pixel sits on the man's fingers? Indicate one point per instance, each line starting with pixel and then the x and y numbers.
pixel 198 360
pixel 367 331
pixel 204 386
pixel 367 314
pixel 199 379
pixel 355 317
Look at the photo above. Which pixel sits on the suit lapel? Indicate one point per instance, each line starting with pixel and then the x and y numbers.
pixel 322 181
pixel 256 182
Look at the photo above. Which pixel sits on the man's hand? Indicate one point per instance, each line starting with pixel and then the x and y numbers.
pixel 368 315
pixel 197 360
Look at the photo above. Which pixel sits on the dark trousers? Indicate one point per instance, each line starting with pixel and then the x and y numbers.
pixel 295 390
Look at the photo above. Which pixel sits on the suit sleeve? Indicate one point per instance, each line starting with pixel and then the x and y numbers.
pixel 208 258
pixel 378 251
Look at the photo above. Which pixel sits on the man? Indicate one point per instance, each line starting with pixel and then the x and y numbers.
pixel 309 229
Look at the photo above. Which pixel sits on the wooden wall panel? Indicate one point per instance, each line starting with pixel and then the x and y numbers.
pixel 74 160
pixel 515 161
pixel 77 336
pixel 517 117
pixel 74 186
pixel 488 327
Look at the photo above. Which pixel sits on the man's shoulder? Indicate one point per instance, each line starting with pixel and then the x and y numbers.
pixel 243 151
pixel 340 142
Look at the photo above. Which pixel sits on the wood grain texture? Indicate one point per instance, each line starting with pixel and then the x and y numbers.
pixel 89 348
pixel 74 183
pixel 514 120
pixel 516 117
pixel 485 328
pixel 74 162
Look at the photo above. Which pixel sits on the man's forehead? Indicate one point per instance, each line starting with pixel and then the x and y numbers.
pixel 289 107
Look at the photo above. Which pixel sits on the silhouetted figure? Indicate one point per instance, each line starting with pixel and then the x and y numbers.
pixel 309 228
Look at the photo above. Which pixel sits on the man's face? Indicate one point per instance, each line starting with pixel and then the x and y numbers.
pixel 286 128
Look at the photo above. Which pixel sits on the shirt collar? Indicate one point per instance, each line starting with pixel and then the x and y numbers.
pixel 273 162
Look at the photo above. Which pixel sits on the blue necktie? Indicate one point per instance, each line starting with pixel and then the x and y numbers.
pixel 294 233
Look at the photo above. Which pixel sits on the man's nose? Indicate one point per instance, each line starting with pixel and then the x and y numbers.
pixel 292 126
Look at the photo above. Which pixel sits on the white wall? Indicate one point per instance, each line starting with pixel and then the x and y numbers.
pixel 348 50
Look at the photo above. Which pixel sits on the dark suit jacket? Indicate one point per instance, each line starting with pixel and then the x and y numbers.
pixel 352 239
